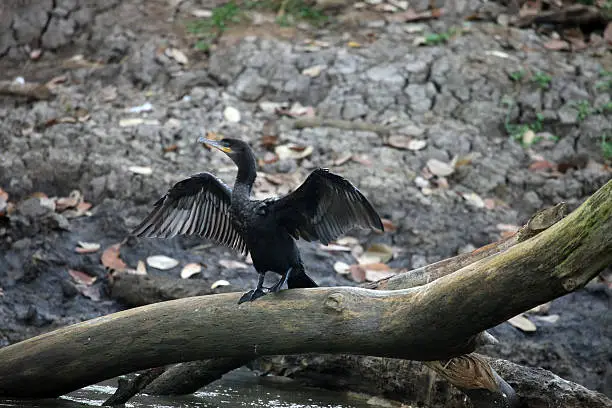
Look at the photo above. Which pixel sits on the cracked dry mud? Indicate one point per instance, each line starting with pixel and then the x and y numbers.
pixel 453 96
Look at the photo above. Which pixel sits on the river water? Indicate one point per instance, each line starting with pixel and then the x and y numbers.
pixel 238 389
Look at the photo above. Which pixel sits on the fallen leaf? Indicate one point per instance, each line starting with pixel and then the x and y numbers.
pixel 489 203
pixel 353 44
pixel 416 144
pixel 556 45
pixel 272 107
pixel 87 247
pixel 293 151
pixel 522 323
pixel 35 54
pixel 399 141
pixel 361 159
pixel 377 271
pixel 128 122
pixel 171 148
pixel 357 273
pixel 473 199
pixel 177 55
pixel 219 283
pixel 388 225
pixel 231 264
pixel 376 253
pixel 335 248
pixel 81 209
pixel 91 292
pixel 343 158
pixel 141 268
pixel 144 170
pixel 110 258
pixel 342 268
pixel 82 277
pixel 297 109
pixel 548 319
pixel 541 165
pixel 231 114
pixel 201 13
pixel 145 107
pixel 74 198
pixel 508 227
pixel 190 269
pixel 162 262
pixel 347 240
pixel 269 141
pixel 528 137
pixel 440 168
pixel 314 71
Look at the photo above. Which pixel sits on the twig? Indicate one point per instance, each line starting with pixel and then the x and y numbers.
pixel 28 89
pixel 302 123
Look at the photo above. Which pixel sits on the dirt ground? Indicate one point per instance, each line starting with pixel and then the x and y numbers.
pixel 461 97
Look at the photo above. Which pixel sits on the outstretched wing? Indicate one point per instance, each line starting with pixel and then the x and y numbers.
pixel 198 205
pixel 324 207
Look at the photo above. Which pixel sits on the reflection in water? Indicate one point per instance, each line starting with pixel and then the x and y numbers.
pixel 238 389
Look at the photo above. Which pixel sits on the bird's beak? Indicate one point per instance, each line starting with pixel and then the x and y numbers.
pixel 215 144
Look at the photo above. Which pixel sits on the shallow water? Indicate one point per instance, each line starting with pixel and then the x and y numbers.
pixel 240 388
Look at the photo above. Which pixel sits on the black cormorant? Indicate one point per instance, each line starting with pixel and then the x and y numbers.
pixel 324 207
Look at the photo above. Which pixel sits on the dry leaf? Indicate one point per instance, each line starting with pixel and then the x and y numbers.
pixel 91 292
pixel 231 264
pixel 528 137
pixel 269 141
pixel 219 283
pixel 377 271
pixel 190 269
pixel 473 199
pixel 177 55
pixel 170 148
pixel 388 225
pixel 128 122
pixel 541 165
pixel 231 114
pixel 141 268
pixel 334 248
pixel 314 71
pixel 440 168
pixel 522 323
pixel 74 198
pixel 361 159
pixel 293 151
pixel 110 258
pixel 399 141
pixel 489 203
pixel 548 319
pixel 162 262
pixel 144 170
pixel 347 240
pixel 376 253
pixel 87 247
pixel 357 273
pixel 82 277
pixel 556 45
pixel 297 109
pixel 342 268
pixel 343 158
pixel 353 44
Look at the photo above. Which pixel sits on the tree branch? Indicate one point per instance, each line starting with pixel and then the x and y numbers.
pixel 432 322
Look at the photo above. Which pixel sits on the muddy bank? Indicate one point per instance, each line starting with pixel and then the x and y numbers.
pixel 456 97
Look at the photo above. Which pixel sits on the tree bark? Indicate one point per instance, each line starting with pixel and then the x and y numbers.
pixel 436 321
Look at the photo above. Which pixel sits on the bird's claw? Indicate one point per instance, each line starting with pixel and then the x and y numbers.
pixel 251 295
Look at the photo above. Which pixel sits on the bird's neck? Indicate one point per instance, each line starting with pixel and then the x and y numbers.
pixel 247 172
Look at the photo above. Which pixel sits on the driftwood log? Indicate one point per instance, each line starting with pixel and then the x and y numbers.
pixel 437 321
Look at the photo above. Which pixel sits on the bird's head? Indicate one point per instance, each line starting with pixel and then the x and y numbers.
pixel 236 149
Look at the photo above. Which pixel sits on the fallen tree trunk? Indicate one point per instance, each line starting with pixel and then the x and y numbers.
pixel 436 321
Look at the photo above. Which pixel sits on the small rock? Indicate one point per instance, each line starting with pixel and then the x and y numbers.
pixel 418 261
pixel 314 71
pixel 568 115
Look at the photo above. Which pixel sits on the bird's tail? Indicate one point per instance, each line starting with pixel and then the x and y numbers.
pixel 299 279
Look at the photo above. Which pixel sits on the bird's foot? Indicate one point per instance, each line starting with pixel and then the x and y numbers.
pixel 251 295
pixel 277 286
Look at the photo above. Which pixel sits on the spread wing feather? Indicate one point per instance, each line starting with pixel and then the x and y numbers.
pixel 324 207
pixel 198 205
